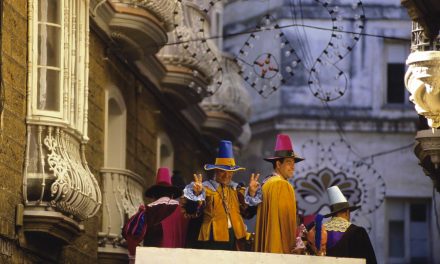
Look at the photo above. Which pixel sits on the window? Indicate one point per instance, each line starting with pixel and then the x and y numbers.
pixel 408 231
pixel 58 78
pixel 165 152
pixel 397 52
pixel 115 133
pixel 56 171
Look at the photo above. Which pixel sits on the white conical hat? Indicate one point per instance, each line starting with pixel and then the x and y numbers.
pixel 338 202
pixel 335 195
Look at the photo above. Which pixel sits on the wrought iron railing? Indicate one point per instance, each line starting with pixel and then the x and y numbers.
pixel 419 42
pixel 57 174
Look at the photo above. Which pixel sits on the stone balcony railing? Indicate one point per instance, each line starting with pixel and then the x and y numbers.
pixel 59 189
pixel 163 9
pixel 122 195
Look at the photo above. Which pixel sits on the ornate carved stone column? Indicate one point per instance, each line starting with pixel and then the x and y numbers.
pixel 423 81
pixel 422 77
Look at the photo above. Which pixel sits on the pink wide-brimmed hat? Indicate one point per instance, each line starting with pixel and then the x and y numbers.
pixel 284 149
pixel 163 186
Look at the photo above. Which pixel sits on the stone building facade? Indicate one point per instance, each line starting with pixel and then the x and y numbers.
pixel 359 136
pixel 92 105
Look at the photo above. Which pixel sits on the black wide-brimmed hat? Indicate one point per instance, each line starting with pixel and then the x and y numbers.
pixel 338 202
pixel 284 149
pixel 163 186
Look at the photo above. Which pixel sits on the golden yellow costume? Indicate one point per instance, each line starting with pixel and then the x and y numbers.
pixel 215 215
pixel 275 230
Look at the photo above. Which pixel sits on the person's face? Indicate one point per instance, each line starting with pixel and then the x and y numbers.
pixel 223 177
pixel 286 168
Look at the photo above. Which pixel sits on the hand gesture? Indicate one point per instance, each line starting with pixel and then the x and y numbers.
pixel 198 187
pixel 253 184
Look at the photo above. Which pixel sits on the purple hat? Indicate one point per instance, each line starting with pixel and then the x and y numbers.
pixel 284 149
pixel 163 186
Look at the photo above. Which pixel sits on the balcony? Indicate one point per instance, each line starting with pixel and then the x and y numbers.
pixel 229 108
pixel 59 190
pixel 427 150
pixel 139 27
pixel 122 195
pixel 191 61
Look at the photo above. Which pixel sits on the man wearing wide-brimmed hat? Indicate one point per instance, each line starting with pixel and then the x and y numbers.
pixel 339 237
pixel 217 202
pixel 275 229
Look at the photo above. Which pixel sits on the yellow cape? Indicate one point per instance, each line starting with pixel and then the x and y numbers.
pixel 275 230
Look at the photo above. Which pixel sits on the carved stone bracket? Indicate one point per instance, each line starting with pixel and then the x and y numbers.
pixel 422 80
pixel 427 150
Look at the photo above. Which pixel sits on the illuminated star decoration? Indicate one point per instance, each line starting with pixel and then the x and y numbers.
pixel 260 68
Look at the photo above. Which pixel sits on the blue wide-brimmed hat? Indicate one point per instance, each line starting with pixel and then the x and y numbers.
pixel 225 158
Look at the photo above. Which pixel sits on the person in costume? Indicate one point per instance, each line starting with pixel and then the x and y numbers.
pixel 219 202
pixel 339 237
pixel 275 229
pixel 162 221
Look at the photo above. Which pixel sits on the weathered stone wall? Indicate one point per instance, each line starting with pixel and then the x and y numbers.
pixel 12 124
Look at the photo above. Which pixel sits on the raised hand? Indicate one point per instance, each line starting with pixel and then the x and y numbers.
pixel 253 184
pixel 198 187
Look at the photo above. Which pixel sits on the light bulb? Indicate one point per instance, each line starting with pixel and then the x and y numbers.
pixel 288 69
pixel 191 84
pixel 294 63
pixel 267 21
pixel 282 44
pixel 287 53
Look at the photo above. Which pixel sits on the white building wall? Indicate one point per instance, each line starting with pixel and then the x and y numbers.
pixel 362 116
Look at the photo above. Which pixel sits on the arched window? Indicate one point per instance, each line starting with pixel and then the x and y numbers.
pixel 165 151
pixel 116 127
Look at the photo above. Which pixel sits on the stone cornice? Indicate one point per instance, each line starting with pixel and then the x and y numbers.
pixel 323 124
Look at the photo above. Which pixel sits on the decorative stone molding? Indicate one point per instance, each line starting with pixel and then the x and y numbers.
pixel 427 150
pixel 422 80
pixel 163 9
pixel 122 195
pixel 54 224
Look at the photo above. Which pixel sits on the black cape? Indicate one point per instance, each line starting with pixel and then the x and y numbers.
pixel 355 243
